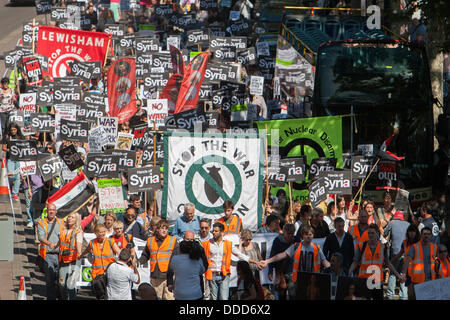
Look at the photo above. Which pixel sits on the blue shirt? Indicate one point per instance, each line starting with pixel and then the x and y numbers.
pixel 182 225
pixel 187 277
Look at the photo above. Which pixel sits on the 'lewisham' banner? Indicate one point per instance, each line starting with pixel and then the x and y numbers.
pixel 210 169
pixel 64 45
pixel 309 137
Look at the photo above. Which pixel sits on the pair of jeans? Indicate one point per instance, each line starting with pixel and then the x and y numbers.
pixel 403 294
pixel 51 267
pixel 4 122
pixel 289 293
pixel 219 287
pixel 13 167
pixel 28 206
pixel 65 271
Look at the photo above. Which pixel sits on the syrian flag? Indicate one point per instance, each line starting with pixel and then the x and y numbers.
pixel 72 195
pixel 387 154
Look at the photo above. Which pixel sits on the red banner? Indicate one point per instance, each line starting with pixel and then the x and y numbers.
pixel 192 81
pixel 121 86
pixel 171 90
pixel 64 45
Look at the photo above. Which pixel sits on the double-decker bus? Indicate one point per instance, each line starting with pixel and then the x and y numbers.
pixel 386 85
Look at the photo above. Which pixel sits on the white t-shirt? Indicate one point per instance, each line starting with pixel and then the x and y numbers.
pixel 120 279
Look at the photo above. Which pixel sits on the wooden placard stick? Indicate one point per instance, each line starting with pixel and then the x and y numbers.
pixel 33 45
pixel 154 164
pixel 363 182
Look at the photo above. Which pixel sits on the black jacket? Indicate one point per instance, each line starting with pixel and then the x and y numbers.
pixel 347 249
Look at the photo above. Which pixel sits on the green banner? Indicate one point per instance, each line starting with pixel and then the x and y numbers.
pixel 309 137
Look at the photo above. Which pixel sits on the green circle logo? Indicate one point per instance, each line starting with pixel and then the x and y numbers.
pixel 86 274
pixel 207 168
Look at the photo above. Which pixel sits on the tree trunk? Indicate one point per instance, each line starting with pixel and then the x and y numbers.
pixel 435 38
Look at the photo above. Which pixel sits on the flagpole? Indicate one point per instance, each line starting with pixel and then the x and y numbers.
pixel 267 167
pixel 107 49
pixel 84 203
pixel 290 197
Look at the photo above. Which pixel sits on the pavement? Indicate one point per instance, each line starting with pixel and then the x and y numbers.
pixel 25 253
pixel 10 271
pixel 25 249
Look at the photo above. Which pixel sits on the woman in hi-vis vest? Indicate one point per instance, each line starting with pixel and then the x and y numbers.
pixel 70 242
pixel 103 250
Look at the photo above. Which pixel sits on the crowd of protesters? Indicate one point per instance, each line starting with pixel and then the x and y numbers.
pixel 192 260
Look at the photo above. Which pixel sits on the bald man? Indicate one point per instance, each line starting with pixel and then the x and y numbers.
pixel 189 235
pixel 48 232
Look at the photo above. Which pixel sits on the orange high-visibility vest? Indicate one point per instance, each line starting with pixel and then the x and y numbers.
pixel 102 258
pixel 44 224
pixel 68 246
pixel 406 248
pixel 444 271
pixel 123 240
pixel 296 266
pixel 160 255
pixel 358 238
pixel 144 217
pixel 226 258
pixel 369 260
pixel 234 227
pixel 418 264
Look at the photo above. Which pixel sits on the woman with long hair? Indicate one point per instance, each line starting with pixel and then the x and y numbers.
pixel 110 218
pixel 14 133
pixel 70 243
pixel 103 251
pixel 412 237
pixel 251 249
pixel 246 289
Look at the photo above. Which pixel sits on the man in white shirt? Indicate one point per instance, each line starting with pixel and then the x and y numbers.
pixel 121 277
pixel 218 252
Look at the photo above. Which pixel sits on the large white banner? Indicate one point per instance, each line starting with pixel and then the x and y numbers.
pixel 144 270
pixel 207 169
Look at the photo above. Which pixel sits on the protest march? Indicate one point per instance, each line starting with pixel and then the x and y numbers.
pixel 228 150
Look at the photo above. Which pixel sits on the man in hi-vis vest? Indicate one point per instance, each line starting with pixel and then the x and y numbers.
pixel 158 250
pixel 218 252
pixel 49 230
pixel 371 257
pixel 422 256
pixel 231 222
pixel 308 257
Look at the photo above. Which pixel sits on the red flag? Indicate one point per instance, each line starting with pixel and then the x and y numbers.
pixel 64 45
pixel 192 81
pixel 171 90
pixel 121 86
pixel 387 154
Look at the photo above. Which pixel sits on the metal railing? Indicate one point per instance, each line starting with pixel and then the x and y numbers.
pixel 300 46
